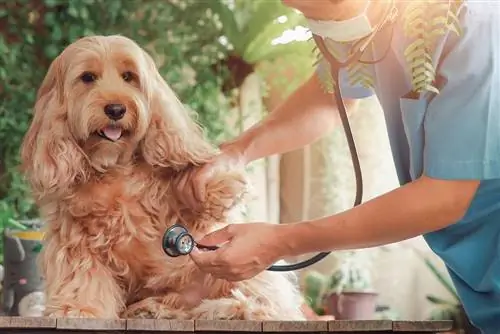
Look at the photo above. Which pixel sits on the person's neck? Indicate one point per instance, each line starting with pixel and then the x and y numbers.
pixel 338 12
pixel 377 9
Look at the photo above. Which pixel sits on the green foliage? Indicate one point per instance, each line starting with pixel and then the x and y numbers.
pixel 426 22
pixel 251 35
pixel 441 277
pixel 252 29
pixel 7 221
pixel 182 35
pixel 314 290
pixel 445 309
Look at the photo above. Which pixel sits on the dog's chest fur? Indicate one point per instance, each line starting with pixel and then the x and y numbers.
pixel 123 218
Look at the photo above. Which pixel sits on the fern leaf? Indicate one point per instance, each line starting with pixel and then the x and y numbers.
pixel 228 20
pixel 414 19
pixel 441 278
pixel 358 74
pixel 264 13
pixel 325 77
pixel 426 22
pixel 415 49
pixel 417 27
pixel 454 23
pixel 262 43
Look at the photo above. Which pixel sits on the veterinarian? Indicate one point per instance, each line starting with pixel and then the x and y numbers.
pixel 444 135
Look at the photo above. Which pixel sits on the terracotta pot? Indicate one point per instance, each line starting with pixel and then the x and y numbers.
pixel 351 305
pixel 311 315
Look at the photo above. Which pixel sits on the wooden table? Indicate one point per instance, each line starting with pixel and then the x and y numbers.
pixel 18 325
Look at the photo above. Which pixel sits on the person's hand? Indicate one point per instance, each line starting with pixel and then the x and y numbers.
pixel 191 187
pixel 245 250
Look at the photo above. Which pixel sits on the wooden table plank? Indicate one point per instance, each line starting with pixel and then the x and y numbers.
pixel 294 326
pixel 91 324
pixel 422 326
pixel 26 322
pixel 18 325
pixel 228 326
pixel 160 325
pixel 341 326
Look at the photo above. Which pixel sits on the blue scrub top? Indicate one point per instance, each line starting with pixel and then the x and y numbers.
pixel 452 135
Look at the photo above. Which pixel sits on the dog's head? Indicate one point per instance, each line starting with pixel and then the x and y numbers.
pixel 103 104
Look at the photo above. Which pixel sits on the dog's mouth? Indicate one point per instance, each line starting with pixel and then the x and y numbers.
pixel 112 132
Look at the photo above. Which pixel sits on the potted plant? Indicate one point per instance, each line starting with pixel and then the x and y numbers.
pixel 22 284
pixel 6 221
pixel 347 293
pixel 314 289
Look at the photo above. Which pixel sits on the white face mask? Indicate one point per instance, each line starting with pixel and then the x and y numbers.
pixel 343 31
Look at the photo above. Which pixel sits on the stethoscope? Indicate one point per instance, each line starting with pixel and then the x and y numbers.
pixel 177 241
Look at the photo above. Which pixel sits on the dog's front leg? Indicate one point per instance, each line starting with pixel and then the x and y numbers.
pixel 161 307
pixel 84 294
pixel 78 285
pixel 224 192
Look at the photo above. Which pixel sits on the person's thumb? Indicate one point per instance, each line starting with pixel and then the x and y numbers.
pixel 217 237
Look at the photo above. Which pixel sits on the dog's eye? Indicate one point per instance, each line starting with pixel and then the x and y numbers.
pixel 128 76
pixel 88 77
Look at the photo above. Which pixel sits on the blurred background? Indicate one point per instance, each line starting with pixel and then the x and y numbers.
pixel 231 63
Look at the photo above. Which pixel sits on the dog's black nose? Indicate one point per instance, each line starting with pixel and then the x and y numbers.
pixel 115 111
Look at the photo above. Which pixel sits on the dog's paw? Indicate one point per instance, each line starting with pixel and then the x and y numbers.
pixel 71 313
pixel 244 307
pixel 152 308
pixel 219 309
pixel 138 313
pixel 224 192
pixel 231 309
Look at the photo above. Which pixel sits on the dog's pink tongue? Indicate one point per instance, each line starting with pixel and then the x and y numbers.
pixel 112 132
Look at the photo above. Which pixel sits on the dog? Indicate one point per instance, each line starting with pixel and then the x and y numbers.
pixel 107 145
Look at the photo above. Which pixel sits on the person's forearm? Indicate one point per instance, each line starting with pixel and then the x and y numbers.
pixel 419 207
pixel 306 116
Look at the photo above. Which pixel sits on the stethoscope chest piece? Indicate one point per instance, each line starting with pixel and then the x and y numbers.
pixel 177 241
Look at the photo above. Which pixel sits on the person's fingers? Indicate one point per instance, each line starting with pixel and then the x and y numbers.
pixel 204 259
pixel 217 264
pixel 218 237
pixel 225 274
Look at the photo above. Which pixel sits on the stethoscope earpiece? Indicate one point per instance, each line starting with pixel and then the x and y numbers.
pixel 177 241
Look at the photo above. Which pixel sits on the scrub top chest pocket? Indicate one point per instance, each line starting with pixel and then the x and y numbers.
pixel 413 115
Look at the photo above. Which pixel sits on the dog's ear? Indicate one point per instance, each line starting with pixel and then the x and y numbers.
pixel 173 139
pixel 50 157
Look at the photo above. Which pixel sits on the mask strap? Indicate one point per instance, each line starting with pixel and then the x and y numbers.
pixel 389 17
pixel 365 11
